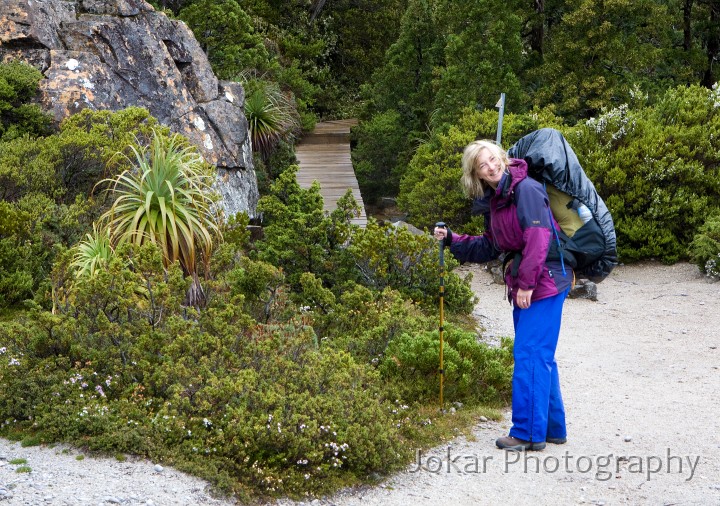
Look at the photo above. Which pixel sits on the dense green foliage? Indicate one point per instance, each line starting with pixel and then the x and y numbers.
pixel 46 185
pixel 18 85
pixel 301 239
pixel 412 360
pixel 658 169
pixel 124 368
pixel 601 53
pixel 705 248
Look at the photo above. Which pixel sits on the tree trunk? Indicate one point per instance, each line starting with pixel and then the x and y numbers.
pixel 195 295
pixel 537 29
pixel 687 26
pixel 712 43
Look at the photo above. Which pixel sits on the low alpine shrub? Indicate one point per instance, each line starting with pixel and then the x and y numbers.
pixel 473 371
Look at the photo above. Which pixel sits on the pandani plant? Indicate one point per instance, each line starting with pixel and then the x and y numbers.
pixel 166 197
pixel 271 114
pixel 92 253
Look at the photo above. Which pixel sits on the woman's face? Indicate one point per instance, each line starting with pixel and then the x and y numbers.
pixel 488 168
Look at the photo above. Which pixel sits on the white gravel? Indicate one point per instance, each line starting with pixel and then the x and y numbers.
pixel 640 377
pixel 65 476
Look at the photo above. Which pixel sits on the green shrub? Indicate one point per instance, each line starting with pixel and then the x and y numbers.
pixel 45 185
pixel 657 168
pixel 705 247
pixel 123 367
pixel 390 256
pixel 71 161
pixel 26 246
pixel 300 237
pixel 473 371
pixel 260 286
pixel 18 116
pixel 360 321
pixel 382 150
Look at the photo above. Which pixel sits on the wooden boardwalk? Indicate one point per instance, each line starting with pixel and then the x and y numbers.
pixel 324 156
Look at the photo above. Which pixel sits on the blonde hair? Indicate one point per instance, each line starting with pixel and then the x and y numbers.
pixel 473 185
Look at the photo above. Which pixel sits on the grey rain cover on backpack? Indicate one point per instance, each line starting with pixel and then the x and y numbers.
pixel 551 160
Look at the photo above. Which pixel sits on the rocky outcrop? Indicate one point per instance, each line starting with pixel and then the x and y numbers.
pixel 111 54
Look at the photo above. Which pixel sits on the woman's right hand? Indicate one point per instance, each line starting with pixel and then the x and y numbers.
pixel 440 233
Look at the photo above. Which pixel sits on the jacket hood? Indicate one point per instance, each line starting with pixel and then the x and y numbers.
pixel 518 170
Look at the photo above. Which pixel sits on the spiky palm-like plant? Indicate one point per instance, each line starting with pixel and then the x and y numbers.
pixel 92 253
pixel 271 115
pixel 166 198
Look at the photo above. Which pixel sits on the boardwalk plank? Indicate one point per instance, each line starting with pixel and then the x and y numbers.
pixel 324 156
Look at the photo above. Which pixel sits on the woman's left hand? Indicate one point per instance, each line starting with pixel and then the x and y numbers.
pixel 523 298
pixel 440 233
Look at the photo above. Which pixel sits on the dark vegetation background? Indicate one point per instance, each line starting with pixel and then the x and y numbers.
pixel 307 360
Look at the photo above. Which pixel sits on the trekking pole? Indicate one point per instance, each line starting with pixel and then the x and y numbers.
pixel 441 224
pixel 501 112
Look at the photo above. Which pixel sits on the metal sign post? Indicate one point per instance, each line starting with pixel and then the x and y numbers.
pixel 501 112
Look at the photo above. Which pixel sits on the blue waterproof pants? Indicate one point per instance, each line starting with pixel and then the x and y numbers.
pixel 537 406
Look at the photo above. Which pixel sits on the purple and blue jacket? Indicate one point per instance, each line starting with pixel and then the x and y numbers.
pixel 520 224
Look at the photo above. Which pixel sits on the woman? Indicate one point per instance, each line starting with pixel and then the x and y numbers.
pixel 521 225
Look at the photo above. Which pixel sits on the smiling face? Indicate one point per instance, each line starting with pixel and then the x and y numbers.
pixel 488 168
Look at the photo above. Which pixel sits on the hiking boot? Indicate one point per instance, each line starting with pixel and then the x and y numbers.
pixel 514 444
pixel 556 440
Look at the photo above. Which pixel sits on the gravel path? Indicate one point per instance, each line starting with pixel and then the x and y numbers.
pixel 641 384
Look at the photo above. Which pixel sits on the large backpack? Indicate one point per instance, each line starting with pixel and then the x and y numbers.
pixel 590 247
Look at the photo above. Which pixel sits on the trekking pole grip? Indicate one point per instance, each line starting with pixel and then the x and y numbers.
pixel 441 224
